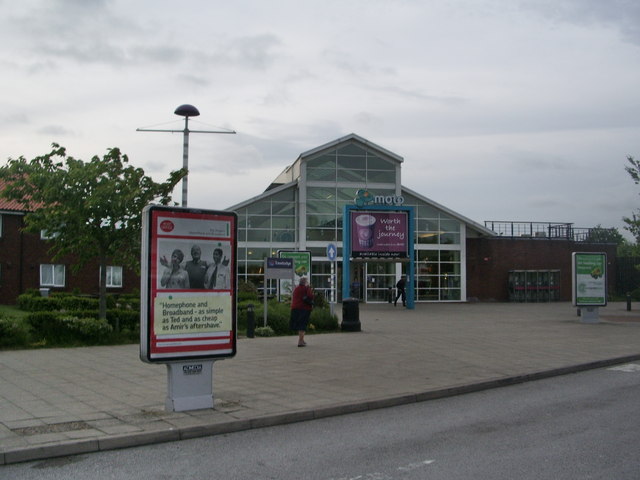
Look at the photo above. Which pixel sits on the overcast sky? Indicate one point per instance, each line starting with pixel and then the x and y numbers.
pixel 520 110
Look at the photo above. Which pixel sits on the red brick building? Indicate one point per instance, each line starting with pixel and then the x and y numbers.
pixel 25 263
pixel 491 260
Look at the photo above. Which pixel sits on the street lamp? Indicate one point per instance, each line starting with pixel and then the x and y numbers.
pixel 186 111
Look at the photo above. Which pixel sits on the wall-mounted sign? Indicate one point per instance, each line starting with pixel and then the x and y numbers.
pixel 188 302
pixel 364 197
pixel 589 279
pixel 379 234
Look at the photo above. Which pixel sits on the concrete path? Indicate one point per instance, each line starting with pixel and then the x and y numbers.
pixel 58 402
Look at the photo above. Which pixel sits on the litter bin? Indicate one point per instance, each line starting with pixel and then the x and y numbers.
pixel 350 315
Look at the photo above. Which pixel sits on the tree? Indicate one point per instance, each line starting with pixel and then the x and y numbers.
pixel 633 223
pixel 92 210
pixel 599 234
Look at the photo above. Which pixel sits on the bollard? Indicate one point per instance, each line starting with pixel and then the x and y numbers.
pixel 390 295
pixel 251 321
pixel 628 302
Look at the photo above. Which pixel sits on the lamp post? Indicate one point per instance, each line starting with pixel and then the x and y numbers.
pixel 186 111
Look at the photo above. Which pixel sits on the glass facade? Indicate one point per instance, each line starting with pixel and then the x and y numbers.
pixel 306 214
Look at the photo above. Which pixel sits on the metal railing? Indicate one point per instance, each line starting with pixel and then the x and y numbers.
pixel 549 230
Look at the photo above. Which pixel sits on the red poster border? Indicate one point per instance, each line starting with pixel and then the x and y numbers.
pixel 163 349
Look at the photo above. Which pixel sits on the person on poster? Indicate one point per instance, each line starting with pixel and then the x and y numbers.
pixel 217 276
pixel 301 305
pixel 174 275
pixel 196 268
pixel 400 289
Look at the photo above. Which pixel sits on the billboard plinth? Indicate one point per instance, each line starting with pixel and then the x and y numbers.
pixel 589 315
pixel 190 386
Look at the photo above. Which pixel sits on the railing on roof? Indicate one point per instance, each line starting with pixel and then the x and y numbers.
pixel 548 230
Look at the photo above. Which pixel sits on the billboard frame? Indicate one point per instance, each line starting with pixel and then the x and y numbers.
pixel 200 323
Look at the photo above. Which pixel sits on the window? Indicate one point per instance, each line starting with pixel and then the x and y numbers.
pixel 45 235
pixel 114 277
pixel 52 275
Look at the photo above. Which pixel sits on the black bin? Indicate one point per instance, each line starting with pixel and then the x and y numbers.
pixel 350 315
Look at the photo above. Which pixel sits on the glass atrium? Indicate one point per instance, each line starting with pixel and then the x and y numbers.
pixel 303 210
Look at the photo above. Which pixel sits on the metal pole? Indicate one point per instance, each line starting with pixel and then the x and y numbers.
pixel 185 161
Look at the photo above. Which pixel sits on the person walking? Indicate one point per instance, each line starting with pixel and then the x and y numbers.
pixel 301 305
pixel 400 292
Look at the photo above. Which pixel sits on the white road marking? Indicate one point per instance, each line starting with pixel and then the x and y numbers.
pixel 627 367
pixel 384 476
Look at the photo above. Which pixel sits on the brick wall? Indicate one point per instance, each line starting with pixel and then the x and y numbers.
pixel 489 261
pixel 21 255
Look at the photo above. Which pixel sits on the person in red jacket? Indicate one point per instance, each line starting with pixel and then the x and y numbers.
pixel 301 305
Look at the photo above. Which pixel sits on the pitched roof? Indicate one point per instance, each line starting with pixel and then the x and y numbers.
pixel 10 205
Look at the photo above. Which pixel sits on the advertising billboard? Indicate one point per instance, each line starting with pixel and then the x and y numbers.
pixel 188 284
pixel 589 279
pixel 301 268
pixel 379 234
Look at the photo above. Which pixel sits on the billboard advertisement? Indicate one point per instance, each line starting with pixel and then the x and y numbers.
pixel 379 234
pixel 188 284
pixel 589 279
pixel 301 268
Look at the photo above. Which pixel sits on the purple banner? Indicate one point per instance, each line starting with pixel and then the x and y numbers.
pixel 379 234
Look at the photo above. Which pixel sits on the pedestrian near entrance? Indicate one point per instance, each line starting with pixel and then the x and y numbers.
pixel 301 305
pixel 400 292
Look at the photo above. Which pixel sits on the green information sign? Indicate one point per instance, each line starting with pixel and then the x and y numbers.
pixel 589 279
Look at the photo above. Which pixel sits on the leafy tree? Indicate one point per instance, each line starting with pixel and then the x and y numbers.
pixel 628 249
pixel 599 234
pixel 92 210
pixel 633 222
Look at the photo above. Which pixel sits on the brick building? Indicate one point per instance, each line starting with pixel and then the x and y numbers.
pixel 25 263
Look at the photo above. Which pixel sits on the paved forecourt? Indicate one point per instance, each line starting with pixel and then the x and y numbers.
pixel 56 402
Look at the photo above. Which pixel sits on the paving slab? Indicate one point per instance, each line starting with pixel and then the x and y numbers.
pixel 58 402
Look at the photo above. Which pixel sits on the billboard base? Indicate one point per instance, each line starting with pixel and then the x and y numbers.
pixel 189 386
pixel 589 315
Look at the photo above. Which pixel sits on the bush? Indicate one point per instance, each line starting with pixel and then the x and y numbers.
pixel 63 329
pixel 278 317
pixel 13 333
pixel 73 303
pixel 322 319
pixel 264 332
pixel 87 330
pixel 33 303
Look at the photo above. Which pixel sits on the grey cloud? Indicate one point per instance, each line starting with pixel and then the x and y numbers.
pixel 54 130
pixel 623 15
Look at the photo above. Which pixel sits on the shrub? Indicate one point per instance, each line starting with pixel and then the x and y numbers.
pixel 264 332
pixel 13 333
pixel 248 288
pixel 88 330
pixel 278 317
pixel 322 319
pixel 64 329
pixel 33 303
pixel 319 300
pixel 74 303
